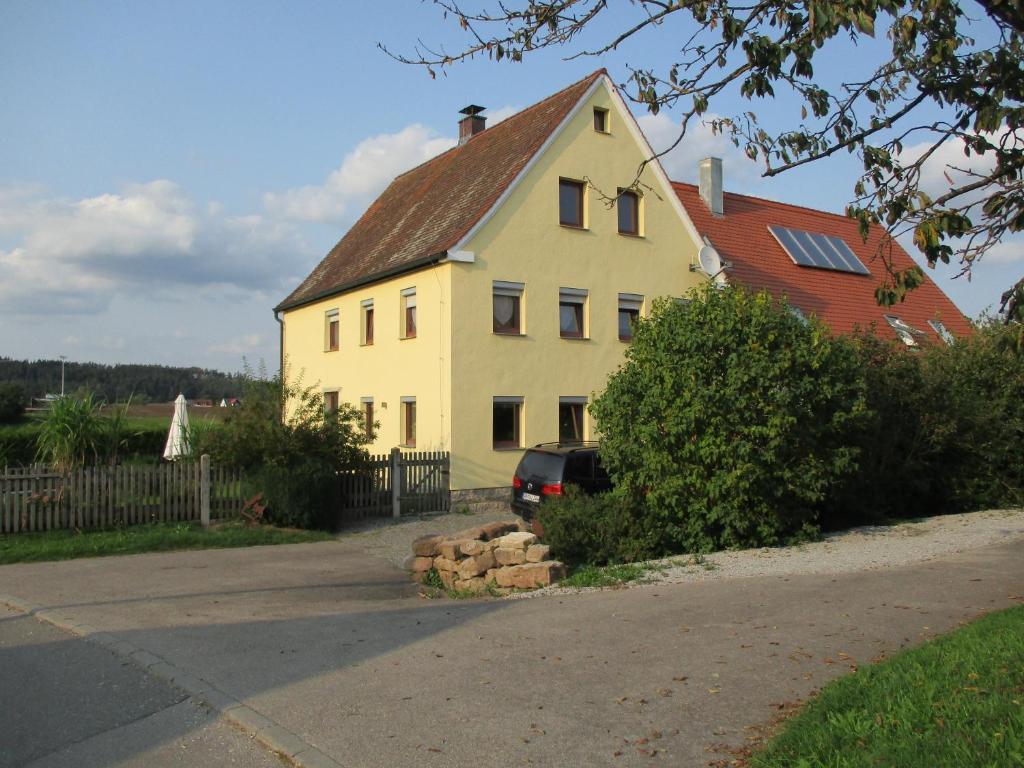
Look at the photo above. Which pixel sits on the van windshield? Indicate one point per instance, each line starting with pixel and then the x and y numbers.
pixel 547 466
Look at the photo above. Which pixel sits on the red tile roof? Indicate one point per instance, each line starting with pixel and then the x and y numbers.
pixel 841 299
pixel 427 210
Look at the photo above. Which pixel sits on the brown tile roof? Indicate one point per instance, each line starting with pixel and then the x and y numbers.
pixel 427 210
pixel 841 299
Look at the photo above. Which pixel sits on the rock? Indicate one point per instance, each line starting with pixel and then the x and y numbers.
pixel 492 544
pixel 452 548
pixel 473 548
pixel 418 564
pixel 447 578
pixel 536 553
pixel 444 564
pixel 426 546
pixel 517 540
pixel 491 575
pixel 476 532
pixel 474 566
pixel 499 528
pixel 531 575
pixel 505 577
pixel 506 556
pixel 475 584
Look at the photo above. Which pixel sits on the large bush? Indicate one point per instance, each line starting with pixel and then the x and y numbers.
pixel 728 418
pixel 944 431
pixel 12 401
pixel 290 449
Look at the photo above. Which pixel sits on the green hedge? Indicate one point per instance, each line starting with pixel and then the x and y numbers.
pixel 18 443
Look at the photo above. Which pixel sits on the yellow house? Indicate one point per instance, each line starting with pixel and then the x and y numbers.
pixel 484 298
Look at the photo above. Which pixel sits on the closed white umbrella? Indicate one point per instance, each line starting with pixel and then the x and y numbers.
pixel 177 442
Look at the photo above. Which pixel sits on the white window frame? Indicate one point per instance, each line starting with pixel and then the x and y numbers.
pixel 519 401
pixel 513 290
pixel 579 296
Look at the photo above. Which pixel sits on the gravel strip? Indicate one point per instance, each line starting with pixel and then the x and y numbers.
pixel 392 539
pixel 858 549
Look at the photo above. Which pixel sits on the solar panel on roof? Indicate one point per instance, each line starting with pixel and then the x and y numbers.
pixel 811 249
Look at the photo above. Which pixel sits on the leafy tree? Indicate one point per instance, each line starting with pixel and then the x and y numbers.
pixel 945 79
pixel 729 417
pixel 12 401
pixel 291 449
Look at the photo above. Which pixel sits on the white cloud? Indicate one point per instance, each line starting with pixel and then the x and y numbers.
pixel 362 175
pixel 1006 252
pixel 242 345
pixel 74 256
pixel 495 116
pixel 681 164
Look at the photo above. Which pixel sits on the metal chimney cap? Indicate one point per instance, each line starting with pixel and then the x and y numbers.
pixel 472 110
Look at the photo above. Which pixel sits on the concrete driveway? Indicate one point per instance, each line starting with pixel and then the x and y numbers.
pixel 331 654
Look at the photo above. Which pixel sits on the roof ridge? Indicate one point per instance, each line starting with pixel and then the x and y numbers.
pixel 841 216
pixel 537 104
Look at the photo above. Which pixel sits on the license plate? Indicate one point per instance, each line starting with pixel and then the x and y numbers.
pixel 531 497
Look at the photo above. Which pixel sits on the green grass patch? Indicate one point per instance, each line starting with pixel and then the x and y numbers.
pixel 605 576
pixel 156 537
pixel 955 701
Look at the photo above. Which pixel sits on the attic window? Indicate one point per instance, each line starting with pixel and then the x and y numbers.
pixel 907 333
pixel 811 249
pixel 944 333
pixel 600 120
pixel 331 325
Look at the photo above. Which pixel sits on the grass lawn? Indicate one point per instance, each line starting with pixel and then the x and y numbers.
pixel 157 537
pixel 955 701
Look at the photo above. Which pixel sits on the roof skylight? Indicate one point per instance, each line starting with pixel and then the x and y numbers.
pixel 810 249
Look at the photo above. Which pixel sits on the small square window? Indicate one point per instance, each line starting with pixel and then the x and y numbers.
pixel 506 302
pixel 330 401
pixel 600 120
pixel 570 203
pixel 629 313
pixel 409 313
pixel 571 313
pixel 628 206
pixel 571 414
pixel 506 422
pixel 409 422
pixel 367 322
pixel 367 403
pixel 331 332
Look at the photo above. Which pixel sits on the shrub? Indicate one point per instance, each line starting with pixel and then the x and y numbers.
pixel 596 530
pixel 12 402
pixel 728 418
pixel 290 449
pixel 944 430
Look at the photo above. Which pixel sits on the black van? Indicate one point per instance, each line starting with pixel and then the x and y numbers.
pixel 547 468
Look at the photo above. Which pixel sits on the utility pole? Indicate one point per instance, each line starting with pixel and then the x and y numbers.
pixel 62 359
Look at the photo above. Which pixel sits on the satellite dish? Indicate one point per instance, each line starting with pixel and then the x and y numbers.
pixel 709 260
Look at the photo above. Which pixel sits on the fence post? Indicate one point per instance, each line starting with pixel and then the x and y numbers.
pixel 204 490
pixel 396 482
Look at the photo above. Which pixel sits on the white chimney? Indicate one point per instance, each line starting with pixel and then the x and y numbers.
pixel 711 184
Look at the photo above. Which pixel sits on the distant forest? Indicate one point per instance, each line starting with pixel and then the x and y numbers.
pixel 116 383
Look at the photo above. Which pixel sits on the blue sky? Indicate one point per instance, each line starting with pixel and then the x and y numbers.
pixel 169 172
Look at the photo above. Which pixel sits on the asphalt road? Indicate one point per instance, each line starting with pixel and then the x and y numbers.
pixel 332 646
pixel 68 702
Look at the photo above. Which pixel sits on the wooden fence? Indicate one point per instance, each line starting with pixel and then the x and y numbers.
pixel 40 499
pixel 422 485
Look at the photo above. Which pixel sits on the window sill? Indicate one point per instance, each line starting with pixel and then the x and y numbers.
pixel 625 340
pixel 632 235
pixel 330 350
pixel 406 338
pixel 366 344
pixel 575 227
pixel 512 334
pixel 575 338
pixel 407 445
pixel 507 448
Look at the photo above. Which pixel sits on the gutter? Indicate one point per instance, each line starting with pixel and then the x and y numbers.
pixel 376 277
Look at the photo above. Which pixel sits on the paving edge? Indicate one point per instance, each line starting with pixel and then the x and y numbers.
pixel 266 731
